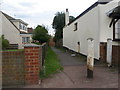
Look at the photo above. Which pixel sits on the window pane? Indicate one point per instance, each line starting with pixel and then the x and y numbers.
pixel 117 30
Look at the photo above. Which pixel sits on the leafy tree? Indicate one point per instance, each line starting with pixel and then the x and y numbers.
pixel 41 34
pixel 58 24
pixel 4 42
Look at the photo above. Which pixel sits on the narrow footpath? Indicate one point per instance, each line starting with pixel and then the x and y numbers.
pixel 74 75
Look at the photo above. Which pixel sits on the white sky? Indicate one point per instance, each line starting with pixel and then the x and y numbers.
pixel 38 12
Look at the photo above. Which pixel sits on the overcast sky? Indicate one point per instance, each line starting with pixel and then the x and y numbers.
pixel 38 12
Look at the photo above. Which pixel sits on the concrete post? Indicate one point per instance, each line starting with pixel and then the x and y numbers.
pixel 109 51
pixel 90 58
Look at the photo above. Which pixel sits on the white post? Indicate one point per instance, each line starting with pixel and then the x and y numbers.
pixel 109 52
pixel 90 58
pixel 66 17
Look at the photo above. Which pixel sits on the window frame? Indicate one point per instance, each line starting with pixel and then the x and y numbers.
pixel 114 39
pixel 75 26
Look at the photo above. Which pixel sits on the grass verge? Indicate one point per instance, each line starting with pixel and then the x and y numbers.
pixel 52 64
pixel 14 50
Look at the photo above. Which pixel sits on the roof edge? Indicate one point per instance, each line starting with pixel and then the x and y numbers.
pixel 87 10
pixel 7 16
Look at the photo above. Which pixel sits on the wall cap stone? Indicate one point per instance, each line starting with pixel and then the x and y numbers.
pixel 32 45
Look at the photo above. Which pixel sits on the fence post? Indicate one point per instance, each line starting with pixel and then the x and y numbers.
pixel 32 63
pixel 90 58
pixel 109 52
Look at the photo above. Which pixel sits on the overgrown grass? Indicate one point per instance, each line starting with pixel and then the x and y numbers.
pixel 52 64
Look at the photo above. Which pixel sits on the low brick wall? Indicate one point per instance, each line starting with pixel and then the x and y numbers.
pixel 21 67
pixel 12 68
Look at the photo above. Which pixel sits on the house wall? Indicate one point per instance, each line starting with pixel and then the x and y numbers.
pixel 87 28
pixel 0 24
pixel 26 35
pixel 106 31
pixel 16 24
pixel 10 32
pixel 94 24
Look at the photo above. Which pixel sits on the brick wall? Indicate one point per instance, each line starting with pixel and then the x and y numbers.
pixel 51 42
pixel 21 67
pixel 12 68
pixel 32 64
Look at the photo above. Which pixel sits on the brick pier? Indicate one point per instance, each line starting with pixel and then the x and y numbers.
pixel 32 63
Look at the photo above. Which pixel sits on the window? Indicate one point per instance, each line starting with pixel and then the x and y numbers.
pixel 20 26
pixel 25 39
pixel 116 31
pixel 75 27
pixel 23 27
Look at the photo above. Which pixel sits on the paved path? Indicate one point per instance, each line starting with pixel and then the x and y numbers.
pixel 74 75
pixel 66 58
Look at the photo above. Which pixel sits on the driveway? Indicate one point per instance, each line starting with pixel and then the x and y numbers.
pixel 74 74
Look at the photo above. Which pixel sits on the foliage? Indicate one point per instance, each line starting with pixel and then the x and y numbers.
pixel 52 64
pixel 58 24
pixel 4 42
pixel 41 34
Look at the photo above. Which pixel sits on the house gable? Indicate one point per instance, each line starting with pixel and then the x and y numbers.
pixel 10 31
pixel 87 10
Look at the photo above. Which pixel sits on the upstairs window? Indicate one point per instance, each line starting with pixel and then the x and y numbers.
pixel 20 26
pixel 23 27
pixel 75 26
pixel 116 31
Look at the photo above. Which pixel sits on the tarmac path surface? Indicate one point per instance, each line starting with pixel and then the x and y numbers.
pixel 74 75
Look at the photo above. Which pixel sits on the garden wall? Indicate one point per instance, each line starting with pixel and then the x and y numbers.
pixel 12 68
pixel 21 67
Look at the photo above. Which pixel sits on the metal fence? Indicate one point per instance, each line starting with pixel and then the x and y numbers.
pixel 44 50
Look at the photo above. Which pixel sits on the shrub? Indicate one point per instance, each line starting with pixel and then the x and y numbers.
pixel 4 42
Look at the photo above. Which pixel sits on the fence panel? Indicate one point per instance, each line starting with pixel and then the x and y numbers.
pixel 44 49
pixel 13 46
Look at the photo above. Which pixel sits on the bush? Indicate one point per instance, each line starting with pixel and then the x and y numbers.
pixel 4 42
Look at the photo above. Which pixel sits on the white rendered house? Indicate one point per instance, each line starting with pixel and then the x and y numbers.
pixel 96 22
pixel 14 30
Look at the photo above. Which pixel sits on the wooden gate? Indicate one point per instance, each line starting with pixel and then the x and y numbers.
pixel 103 51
